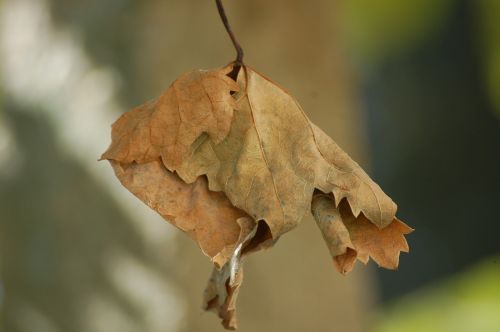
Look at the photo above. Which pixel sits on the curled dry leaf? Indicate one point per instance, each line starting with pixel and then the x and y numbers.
pixel 224 284
pixel 206 216
pixel 350 238
pixel 235 165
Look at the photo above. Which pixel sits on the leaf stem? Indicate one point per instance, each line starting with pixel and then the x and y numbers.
pixel 237 46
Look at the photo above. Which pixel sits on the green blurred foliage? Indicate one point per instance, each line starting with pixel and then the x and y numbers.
pixel 375 29
pixel 467 302
pixel 489 28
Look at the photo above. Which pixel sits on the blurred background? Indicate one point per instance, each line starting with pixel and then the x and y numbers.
pixel 410 89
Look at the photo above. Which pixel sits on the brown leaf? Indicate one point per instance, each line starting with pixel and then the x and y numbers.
pixel 207 217
pixel 220 296
pixel 235 165
pixel 223 286
pixel 350 238
pixel 273 159
pixel 350 181
pixel 197 102
pixel 270 161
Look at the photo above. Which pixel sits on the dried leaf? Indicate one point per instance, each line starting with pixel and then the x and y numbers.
pixel 224 284
pixel 273 159
pixel 197 102
pixel 350 237
pixel 207 217
pixel 235 165
pixel 221 294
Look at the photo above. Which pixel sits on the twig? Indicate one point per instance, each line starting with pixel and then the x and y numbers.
pixel 237 46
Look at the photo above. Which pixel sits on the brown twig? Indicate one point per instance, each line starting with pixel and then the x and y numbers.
pixel 237 46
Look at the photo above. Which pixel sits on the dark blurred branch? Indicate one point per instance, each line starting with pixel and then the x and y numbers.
pixel 237 46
